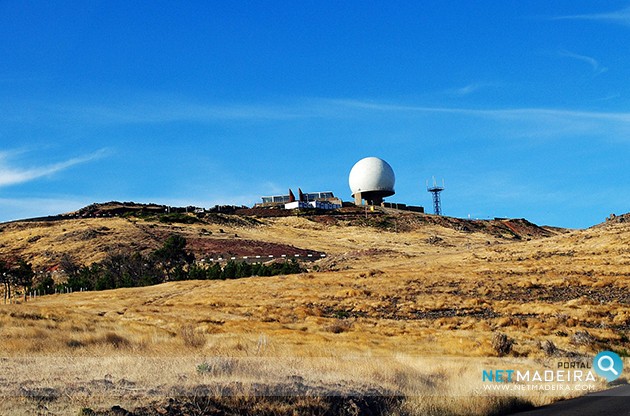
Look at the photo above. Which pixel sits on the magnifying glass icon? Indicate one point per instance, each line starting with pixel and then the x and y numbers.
pixel 611 364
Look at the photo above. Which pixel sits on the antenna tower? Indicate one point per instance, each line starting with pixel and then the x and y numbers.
pixel 435 191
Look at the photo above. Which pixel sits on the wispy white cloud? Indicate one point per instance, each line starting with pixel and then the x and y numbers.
pixel 13 175
pixel 609 97
pixel 619 16
pixel 525 122
pixel 155 109
pixel 148 110
pixel 534 121
pixel 503 113
pixel 522 121
pixel 594 64
pixel 465 90
pixel 471 88
pixel 322 107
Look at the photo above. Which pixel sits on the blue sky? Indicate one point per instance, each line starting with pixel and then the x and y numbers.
pixel 522 107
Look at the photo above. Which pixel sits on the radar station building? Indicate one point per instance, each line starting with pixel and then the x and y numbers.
pixel 371 180
pixel 321 200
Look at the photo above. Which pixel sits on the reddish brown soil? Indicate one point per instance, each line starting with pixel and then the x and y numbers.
pixel 239 247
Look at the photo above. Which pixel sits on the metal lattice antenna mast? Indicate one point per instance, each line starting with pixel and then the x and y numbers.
pixel 435 191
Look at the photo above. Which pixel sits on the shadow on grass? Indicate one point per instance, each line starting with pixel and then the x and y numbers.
pixel 261 406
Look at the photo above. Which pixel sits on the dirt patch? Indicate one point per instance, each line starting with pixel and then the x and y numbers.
pixel 84 235
pixel 239 247
pixel 392 311
pixel 555 294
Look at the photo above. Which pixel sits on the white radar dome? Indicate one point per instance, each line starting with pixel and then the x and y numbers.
pixel 372 175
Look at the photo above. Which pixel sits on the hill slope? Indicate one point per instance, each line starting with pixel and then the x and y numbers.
pixel 92 232
pixel 396 292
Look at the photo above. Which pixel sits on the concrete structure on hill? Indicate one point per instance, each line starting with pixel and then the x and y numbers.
pixel 371 179
pixel 403 207
pixel 312 204
pixel 321 200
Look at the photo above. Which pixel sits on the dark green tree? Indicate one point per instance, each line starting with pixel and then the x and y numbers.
pixel 47 285
pixel 178 273
pixel 197 272
pixel 229 270
pixel 146 271
pixel 214 272
pixel 264 270
pixel 291 267
pixel 5 279
pixel 86 278
pixel 23 275
pixel 69 265
pixel 243 269
pixel 115 270
pixel 173 258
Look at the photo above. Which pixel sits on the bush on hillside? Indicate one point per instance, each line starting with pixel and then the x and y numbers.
pixel 171 262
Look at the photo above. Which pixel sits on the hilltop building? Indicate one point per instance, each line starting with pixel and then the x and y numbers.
pixel 321 200
pixel 371 179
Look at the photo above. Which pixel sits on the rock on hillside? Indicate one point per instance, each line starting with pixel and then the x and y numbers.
pixel 615 219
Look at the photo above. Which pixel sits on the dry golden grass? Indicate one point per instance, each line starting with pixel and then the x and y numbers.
pixel 394 310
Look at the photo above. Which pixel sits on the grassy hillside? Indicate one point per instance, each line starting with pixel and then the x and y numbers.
pixel 404 306
pixel 89 234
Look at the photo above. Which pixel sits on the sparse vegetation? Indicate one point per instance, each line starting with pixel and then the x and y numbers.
pixel 217 366
pixel 191 337
pixel 502 344
pixel 338 326
pixel 171 262
pixel 15 273
pixel 369 331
